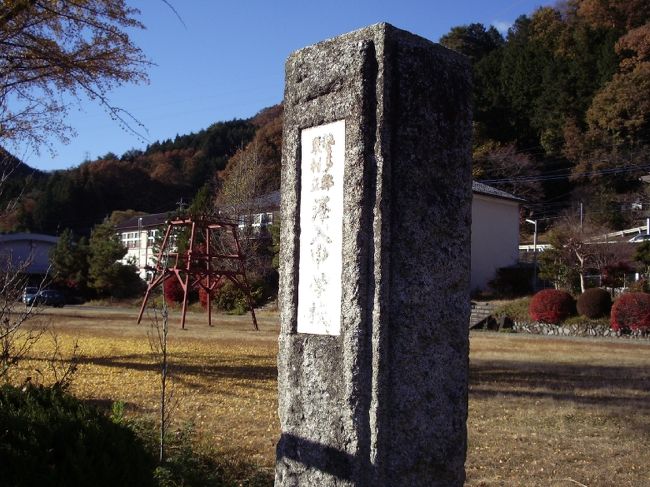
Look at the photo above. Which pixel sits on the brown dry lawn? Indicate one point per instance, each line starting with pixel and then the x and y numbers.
pixel 543 411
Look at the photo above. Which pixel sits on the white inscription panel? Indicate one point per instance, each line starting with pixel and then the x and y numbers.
pixel 321 229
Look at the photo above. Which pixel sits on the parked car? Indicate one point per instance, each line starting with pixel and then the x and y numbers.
pixel 642 237
pixel 29 293
pixel 49 297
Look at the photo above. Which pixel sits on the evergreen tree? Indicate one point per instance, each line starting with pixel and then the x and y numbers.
pixel 203 203
pixel 70 262
pixel 473 40
pixel 105 249
pixel 642 255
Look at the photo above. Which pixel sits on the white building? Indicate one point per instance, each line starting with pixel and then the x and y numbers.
pixel 495 231
pixel 138 234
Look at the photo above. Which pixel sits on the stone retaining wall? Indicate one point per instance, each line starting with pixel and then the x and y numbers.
pixel 577 330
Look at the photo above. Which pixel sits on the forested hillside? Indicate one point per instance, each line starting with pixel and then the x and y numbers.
pixel 151 181
pixel 562 113
pixel 562 108
pixel 562 119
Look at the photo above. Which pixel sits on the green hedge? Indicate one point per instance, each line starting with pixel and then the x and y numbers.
pixel 516 310
pixel 50 438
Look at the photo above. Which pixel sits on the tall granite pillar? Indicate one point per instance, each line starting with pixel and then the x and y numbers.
pixel 375 255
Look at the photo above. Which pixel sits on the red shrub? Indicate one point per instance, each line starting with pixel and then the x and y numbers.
pixel 203 297
pixel 551 306
pixel 631 311
pixel 173 290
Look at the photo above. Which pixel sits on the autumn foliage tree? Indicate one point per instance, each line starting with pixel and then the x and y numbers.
pixel 173 290
pixel 561 103
pixel 50 50
pixel 617 122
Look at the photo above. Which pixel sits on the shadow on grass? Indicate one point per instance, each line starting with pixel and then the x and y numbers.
pixel 608 386
pixel 143 363
pixel 190 465
pixel 192 468
pixel 106 405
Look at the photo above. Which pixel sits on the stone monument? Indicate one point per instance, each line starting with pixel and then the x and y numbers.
pixel 374 277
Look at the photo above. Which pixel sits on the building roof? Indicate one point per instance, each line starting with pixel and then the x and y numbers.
pixel 486 190
pixel 271 202
pixel 143 221
pixel 30 237
pixel 266 202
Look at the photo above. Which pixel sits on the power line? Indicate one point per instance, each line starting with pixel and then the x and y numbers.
pixel 615 170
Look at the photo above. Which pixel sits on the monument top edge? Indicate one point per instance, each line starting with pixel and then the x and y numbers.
pixel 374 32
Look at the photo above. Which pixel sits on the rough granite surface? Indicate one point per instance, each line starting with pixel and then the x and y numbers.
pixel 385 402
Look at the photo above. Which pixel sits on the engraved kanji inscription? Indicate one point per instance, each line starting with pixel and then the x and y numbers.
pixel 321 229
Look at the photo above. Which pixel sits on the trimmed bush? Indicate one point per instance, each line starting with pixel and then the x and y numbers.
pixel 228 297
pixel 551 306
pixel 50 438
pixel 631 312
pixel 594 303
pixel 231 298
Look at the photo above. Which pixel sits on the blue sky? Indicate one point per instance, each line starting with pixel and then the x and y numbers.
pixel 227 61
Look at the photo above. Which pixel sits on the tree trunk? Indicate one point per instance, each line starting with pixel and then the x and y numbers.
pixel 581 271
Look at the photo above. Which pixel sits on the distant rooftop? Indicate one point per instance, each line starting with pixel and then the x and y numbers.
pixel 29 237
pixel 481 188
pixel 266 202
pixel 148 221
pixel 271 202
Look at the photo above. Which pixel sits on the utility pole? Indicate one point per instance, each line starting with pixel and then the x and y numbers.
pixel 140 264
pixel 582 216
pixel 534 222
pixel 181 205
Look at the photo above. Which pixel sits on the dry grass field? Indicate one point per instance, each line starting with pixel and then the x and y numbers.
pixel 543 411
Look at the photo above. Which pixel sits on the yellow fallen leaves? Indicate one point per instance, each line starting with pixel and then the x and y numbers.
pixel 228 390
pixel 541 410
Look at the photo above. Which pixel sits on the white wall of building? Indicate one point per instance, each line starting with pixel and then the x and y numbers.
pixel 140 249
pixel 495 237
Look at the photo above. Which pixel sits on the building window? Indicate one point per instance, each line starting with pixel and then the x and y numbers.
pixel 261 220
pixel 151 237
pixel 257 220
pixel 131 240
